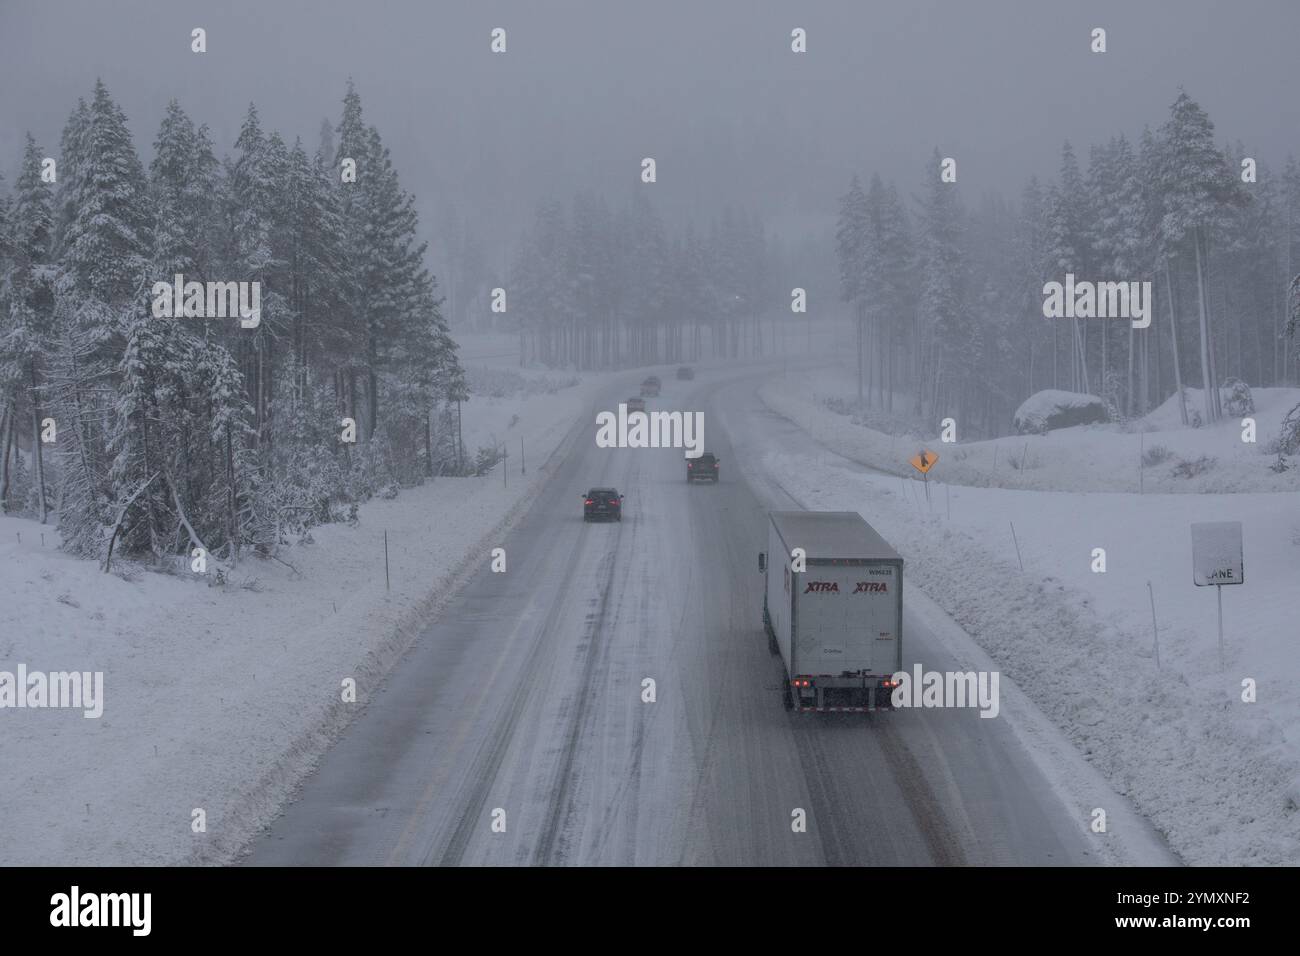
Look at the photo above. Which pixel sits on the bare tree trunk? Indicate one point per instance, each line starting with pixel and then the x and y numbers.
pixel 859 313
pixel 1083 358
pixel 864 344
pixel 880 357
pixel 36 444
pixel 1173 335
pixel 6 439
pixel 1148 341
pixel 428 442
pixel 1128 394
pixel 232 515
pixel 1056 348
pixel 1207 369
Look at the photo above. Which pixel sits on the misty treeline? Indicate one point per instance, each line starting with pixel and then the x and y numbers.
pixel 949 300
pixel 170 434
pixel 593 287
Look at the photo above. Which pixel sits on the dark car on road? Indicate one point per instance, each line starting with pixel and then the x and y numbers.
pixel 651 386
pixel 704 468
pixel 635 404
pixel 602 504
pixel 686 373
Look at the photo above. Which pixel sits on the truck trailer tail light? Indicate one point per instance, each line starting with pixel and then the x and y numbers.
pixel 589 502
pixel 798 682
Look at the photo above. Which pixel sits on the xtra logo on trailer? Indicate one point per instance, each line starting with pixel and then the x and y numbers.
pixel 822 587
pixel 862 587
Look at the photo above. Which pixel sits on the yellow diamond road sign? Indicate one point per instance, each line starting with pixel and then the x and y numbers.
pixel 924 461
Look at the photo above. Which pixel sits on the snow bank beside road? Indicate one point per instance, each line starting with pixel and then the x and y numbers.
pixel 220 699
pixel 1084 458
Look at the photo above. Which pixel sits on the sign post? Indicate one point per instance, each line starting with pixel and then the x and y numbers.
pixel 1217 559
pixel 923 461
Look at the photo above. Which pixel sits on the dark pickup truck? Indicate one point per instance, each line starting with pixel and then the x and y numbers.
pixel 704 468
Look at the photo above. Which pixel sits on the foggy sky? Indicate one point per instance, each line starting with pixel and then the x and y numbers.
pixel 708 88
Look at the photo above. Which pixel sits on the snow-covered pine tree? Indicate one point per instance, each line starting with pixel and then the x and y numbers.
pixel 539 281
pixel 184 177
pixel 27 296
pixel 1069 252
pixel 1121 247
pixel 1198 188
pixel 852 248
pixel 309 242
pixel 943 320
pixel 646 272
pixel 103 247
pixel 8 370
pixel 407 337
pixel 256 193
pixel 71 149
pixel 1151 162
pixel 1030 251
pixel 184 375
pixel 895 249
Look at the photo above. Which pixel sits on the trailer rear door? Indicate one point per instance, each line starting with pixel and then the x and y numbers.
pixel 847 619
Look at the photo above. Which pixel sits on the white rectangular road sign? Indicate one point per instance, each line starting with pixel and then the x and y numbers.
pixel 1217 553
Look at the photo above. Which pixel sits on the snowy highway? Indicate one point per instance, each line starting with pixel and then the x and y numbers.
pixel 522 704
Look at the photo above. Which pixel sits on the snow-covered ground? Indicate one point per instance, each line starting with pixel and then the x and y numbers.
pixel 1084 458
pixel 221 698
pixel 1218 776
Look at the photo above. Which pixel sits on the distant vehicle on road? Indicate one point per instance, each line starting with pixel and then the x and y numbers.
pixel 703 468
pixel 650 386
pixel 602 504
pixel 685 373
pixel 635 404
pixel 838 623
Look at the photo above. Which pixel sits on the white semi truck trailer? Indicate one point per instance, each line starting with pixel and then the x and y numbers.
pixel 833 610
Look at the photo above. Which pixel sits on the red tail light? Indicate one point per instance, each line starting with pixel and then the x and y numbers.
pixel 589 502
pixel 690 465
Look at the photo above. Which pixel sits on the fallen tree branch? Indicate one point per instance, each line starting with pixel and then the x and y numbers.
pixel 180 511
pixel 117 525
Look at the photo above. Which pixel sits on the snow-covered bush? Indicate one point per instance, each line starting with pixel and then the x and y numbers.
pixel 1051 409
pixel 1288 438
pixel 1236 397
pixel 1190 469
pixel 487 457
pixel 1154 455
